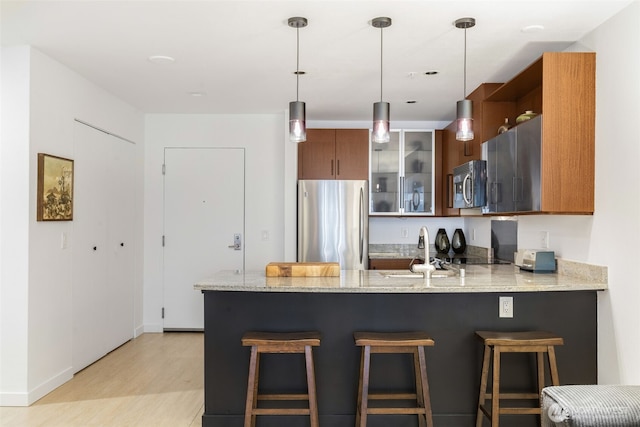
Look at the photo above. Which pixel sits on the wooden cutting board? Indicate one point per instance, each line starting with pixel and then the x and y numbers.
pixel 303 269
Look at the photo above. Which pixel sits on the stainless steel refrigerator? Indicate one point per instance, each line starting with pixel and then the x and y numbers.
pixel 333 222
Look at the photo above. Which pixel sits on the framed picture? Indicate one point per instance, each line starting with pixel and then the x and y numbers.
pixel 55 188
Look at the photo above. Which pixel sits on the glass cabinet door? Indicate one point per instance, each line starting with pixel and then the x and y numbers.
pixel 401 174
pixel 418 170
pixel 384 166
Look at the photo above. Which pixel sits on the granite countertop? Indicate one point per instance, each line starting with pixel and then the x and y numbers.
pixel 477 278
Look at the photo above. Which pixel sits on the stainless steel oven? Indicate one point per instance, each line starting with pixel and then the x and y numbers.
pixel 469 184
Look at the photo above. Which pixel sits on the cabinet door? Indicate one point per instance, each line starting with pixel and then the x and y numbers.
pixel 352 148
pixel 450 159
pixel 418 166
pixel 501 173
pixel 389 264
pixel 316 156
pixel 385 176
pixel 527 181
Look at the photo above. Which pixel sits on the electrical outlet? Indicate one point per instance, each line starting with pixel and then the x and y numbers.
pixel 505 308
pixel 544 239
pixel 404 232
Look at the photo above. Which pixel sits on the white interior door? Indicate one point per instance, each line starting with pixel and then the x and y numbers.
pixel 103 229
pixel 203 211
pixel 89 245
pixel 120 244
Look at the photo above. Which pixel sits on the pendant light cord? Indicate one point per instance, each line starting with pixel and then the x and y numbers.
pixel 297 62
pixel 464 94
pixel 381 41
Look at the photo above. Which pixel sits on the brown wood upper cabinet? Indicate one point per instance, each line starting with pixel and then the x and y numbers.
pixel 561 87
pixel 334 154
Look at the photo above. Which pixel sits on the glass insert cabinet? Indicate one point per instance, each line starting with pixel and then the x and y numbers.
pixel 401 174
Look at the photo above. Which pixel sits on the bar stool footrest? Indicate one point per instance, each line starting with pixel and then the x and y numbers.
pixel 396 411
pixel 393 396
pixel 283 397
pixel 280 411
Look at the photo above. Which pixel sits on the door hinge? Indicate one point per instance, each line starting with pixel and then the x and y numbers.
pixel 163 241
pixel 164 169
pixel 163 312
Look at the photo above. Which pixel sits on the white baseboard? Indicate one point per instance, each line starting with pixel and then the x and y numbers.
pixel 138 331
pixel 27 398
pixel 153 328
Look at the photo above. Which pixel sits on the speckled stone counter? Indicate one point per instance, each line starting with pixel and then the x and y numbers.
pixel 477 278
pixel 449 309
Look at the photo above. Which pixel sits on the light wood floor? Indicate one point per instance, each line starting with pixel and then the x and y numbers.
pixel 153 380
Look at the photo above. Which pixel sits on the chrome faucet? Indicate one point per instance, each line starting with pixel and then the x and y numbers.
pixel 423 243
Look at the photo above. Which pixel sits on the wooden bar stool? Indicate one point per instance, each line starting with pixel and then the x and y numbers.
pixel 513 342
pixel 394 342
pixel 280 342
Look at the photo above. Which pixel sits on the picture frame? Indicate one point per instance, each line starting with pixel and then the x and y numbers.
pixel 55 188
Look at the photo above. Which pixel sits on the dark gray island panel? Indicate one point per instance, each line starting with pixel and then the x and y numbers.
pixel 453 364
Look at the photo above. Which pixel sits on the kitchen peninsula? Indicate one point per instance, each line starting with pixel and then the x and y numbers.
pixel 450 309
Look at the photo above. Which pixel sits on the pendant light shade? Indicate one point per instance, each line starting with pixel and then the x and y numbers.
pixel 464 107
pixel 380 132
pixel 464 120
pixel 297 122
pixel 297 109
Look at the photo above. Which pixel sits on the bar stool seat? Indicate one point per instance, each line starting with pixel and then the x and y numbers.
pixel 539 342
pixel 394 342
pixel 280 342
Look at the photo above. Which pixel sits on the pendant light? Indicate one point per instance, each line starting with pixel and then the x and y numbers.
pixel 380 132
pixel 464 107
pixel 297 113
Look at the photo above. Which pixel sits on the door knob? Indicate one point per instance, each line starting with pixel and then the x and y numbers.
pixel 237 242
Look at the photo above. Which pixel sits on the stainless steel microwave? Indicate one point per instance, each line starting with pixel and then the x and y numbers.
pixel 470 184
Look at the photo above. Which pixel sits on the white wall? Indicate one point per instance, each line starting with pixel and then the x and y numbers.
pixel 267 192
pixel 14 224
pixel 36 283
pixel 616 222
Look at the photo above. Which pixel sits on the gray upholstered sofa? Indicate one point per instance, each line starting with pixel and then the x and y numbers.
pixel 591 406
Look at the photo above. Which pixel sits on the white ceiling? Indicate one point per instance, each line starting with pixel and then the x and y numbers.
pixel 242 54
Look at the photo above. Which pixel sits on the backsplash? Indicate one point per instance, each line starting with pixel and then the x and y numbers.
pixel 411 250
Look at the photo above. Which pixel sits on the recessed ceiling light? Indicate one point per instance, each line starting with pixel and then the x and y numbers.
pixel 197 94
pixel 532 28
pixel 161 59
pixel 431 73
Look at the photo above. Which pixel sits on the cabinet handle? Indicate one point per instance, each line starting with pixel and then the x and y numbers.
pixel 517 189
pixel 338 167
pixel 467 151
pixel 331 167
pixel 402 202
pixel 450 190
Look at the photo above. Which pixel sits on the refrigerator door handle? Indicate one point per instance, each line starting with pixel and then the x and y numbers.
pixel 361 225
